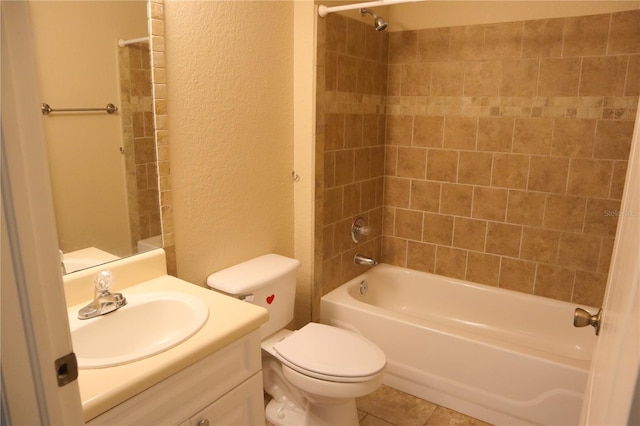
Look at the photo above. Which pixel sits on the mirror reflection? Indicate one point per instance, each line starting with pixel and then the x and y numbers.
pixel 103 166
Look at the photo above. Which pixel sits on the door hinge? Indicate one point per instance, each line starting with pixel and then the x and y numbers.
pixel 66 369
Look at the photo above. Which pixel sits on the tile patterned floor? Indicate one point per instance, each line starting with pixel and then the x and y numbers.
pixel 390 407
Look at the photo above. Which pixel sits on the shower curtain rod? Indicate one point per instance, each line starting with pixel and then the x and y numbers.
pixel 324 10
pixel 123 43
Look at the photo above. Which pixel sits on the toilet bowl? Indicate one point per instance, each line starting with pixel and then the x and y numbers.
pixel 313 374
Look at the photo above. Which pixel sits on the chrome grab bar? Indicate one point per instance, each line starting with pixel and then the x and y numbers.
pixel 46 109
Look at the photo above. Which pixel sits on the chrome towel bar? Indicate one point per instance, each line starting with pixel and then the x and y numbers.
pixel 46 109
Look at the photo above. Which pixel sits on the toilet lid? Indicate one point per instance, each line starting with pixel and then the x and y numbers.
pixel 330 353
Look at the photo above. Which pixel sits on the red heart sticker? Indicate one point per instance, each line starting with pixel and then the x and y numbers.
pixel 270 298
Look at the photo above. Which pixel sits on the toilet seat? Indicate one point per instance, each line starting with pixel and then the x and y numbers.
pixel 330 353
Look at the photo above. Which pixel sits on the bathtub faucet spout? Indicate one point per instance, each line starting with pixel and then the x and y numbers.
pixel 359 259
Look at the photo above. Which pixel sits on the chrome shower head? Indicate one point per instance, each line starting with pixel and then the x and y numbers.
pixel 378 23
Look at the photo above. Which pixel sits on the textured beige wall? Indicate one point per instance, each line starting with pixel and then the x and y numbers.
pixel 230 106
pixel 76 52
pixel 437 14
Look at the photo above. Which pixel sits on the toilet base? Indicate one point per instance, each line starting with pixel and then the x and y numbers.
pixel 344 414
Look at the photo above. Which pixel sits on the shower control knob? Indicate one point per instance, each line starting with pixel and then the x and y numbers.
pixel 204 422
pixel 582 318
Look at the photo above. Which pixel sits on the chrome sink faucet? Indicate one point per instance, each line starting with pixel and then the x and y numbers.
pixel 104 301
pixel 359 259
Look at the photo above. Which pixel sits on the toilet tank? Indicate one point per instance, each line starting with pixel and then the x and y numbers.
pixel 268 281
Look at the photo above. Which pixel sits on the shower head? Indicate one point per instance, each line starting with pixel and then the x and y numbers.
pixel 379 23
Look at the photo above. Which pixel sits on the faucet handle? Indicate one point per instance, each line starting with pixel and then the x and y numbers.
pixel 103 281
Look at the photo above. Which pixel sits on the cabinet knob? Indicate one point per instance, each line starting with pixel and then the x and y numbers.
pixel 203 422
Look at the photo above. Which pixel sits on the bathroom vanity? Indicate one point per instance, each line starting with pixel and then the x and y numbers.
pixel 214 375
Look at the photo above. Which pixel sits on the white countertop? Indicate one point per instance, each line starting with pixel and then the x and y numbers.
pixel 229 319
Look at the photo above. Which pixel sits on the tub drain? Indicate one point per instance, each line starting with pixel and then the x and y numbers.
pixel 364 287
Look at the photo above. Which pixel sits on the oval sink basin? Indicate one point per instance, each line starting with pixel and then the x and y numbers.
pixel 148 324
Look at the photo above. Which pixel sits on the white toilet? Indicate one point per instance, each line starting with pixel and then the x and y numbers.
pixel 313 374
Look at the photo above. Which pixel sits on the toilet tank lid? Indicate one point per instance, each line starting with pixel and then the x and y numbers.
pixel 247 276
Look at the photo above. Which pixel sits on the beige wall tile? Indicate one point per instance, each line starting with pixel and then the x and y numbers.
pixel 433 44
pixel 603 76
pixel 474 167
pixel 329 170
pixel 540 245
pixel 355 37
pixel 336 33
pixel 442 165
pixel 409 224
pixel 503 40
pixel 601 218
pixel 333 131
pixel 533 135
pixel 396 192
pixel 548 174
pixel 618 180
pixel 428 131
pixel 525 208
pixel 573 137
pixel 555 282
pixel 388 220
pixel 416 79
pixel 394 251
pixel 456 199
pixel 362 164
pixel 425 196
pixel 451 262
pixel 412 162
pixel 437 229
pixel 606 250
pixel 482 78
pixel 467 43
pixel 579 251
pixel 469 233
pixel 559 77
pixel 510 171
pixel 369 194
pixel 460 132
pixel 353 130
pixel 624 34
pixel 632 84
pixel 483 268
pixel 503 239
pixel 590 178
pixel 489 203
pixel 403 47
pixel 564 213
pixel 518 275
pixel 421 256
pixel 344 167
pixel 351 205
pixel 519 77
pixel 589 288
pixel 394 79
pixel 542 38
pixel 347 73
pixel 447 78
pixel 495 134
pixel 586 35
pixel 613 139
pixel 399 129
pixel 390 160
pixel 332 205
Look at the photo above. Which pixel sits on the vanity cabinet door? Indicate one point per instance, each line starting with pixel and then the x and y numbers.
pixel 242 406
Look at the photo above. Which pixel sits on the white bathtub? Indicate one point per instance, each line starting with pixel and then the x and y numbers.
pixel 497 355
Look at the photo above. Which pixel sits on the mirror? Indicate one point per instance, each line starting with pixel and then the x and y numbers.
pixel 103 166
